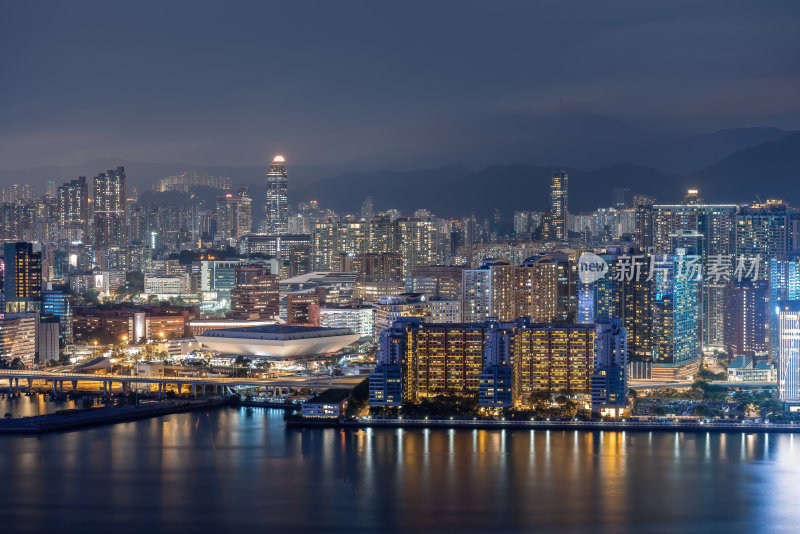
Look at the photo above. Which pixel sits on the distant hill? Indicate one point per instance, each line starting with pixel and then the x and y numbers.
pixel 771 169
pixel 765 162
pixel 453 190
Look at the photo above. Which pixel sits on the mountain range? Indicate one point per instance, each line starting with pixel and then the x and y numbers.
pixel 735 165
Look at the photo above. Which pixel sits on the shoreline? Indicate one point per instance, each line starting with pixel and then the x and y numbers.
pixel 68 420
pixel 585 426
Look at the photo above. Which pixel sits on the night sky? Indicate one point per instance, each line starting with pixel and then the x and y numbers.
pixel 230 83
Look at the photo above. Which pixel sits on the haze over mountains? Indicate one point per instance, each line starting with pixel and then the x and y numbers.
pixel 507 165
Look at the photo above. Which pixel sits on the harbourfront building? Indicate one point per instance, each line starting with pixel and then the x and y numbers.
pixel 498 361
pixel 610 376
pixel 789 354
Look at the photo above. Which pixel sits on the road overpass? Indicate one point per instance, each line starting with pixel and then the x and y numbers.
pixel 275 386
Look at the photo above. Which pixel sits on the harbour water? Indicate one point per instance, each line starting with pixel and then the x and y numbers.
pixel 236 469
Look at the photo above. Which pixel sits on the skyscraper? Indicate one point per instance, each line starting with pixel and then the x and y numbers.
pixel 746 305
pixel 277 206
pixel 789 352
pixel 558 205
pixel 73 210
pixel 109 208
pixel 23 277
pixel 233 216
pixel 488 291
pixel 610 378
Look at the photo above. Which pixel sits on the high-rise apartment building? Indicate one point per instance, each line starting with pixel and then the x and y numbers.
pixel 72 210
pixel 746 328
pixel 716 224
pixel 488 291
pixel 442 281
pixel 277 206
pixel 234 216
pixel 559 207
pixel 436 359
pixel 545 289
pixel 109 208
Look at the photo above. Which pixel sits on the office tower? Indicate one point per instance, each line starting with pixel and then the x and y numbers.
pixel 610 375
pixel 545 289
pixel 57 304
pixel 109 207
pixel 676 315
pixel 277 207
pixel 416 243
pixel 234 218
pixel 559 208
pixel 22 281
pixel 784 285
pixel 488 291
pixel 72 212
pixel 746 330
pixel 255 291
pixel 789 353
pixel 441 281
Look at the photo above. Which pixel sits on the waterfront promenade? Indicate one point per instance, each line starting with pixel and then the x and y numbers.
pixel 487 424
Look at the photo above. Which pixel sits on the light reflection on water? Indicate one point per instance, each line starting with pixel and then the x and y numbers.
pixel 241 468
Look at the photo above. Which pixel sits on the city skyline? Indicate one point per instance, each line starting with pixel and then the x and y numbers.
pixel 451 266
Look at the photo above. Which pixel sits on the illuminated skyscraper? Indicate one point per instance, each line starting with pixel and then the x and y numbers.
pixel 22 278
pixel 234 217
pixel 109 208
pixel 784 285
pixel 716 223
pixel 277 206
pixel 73 210
pixel 488 291
pixel 676 315
pixel 545 289
pixel 789 352
pixel 559 209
